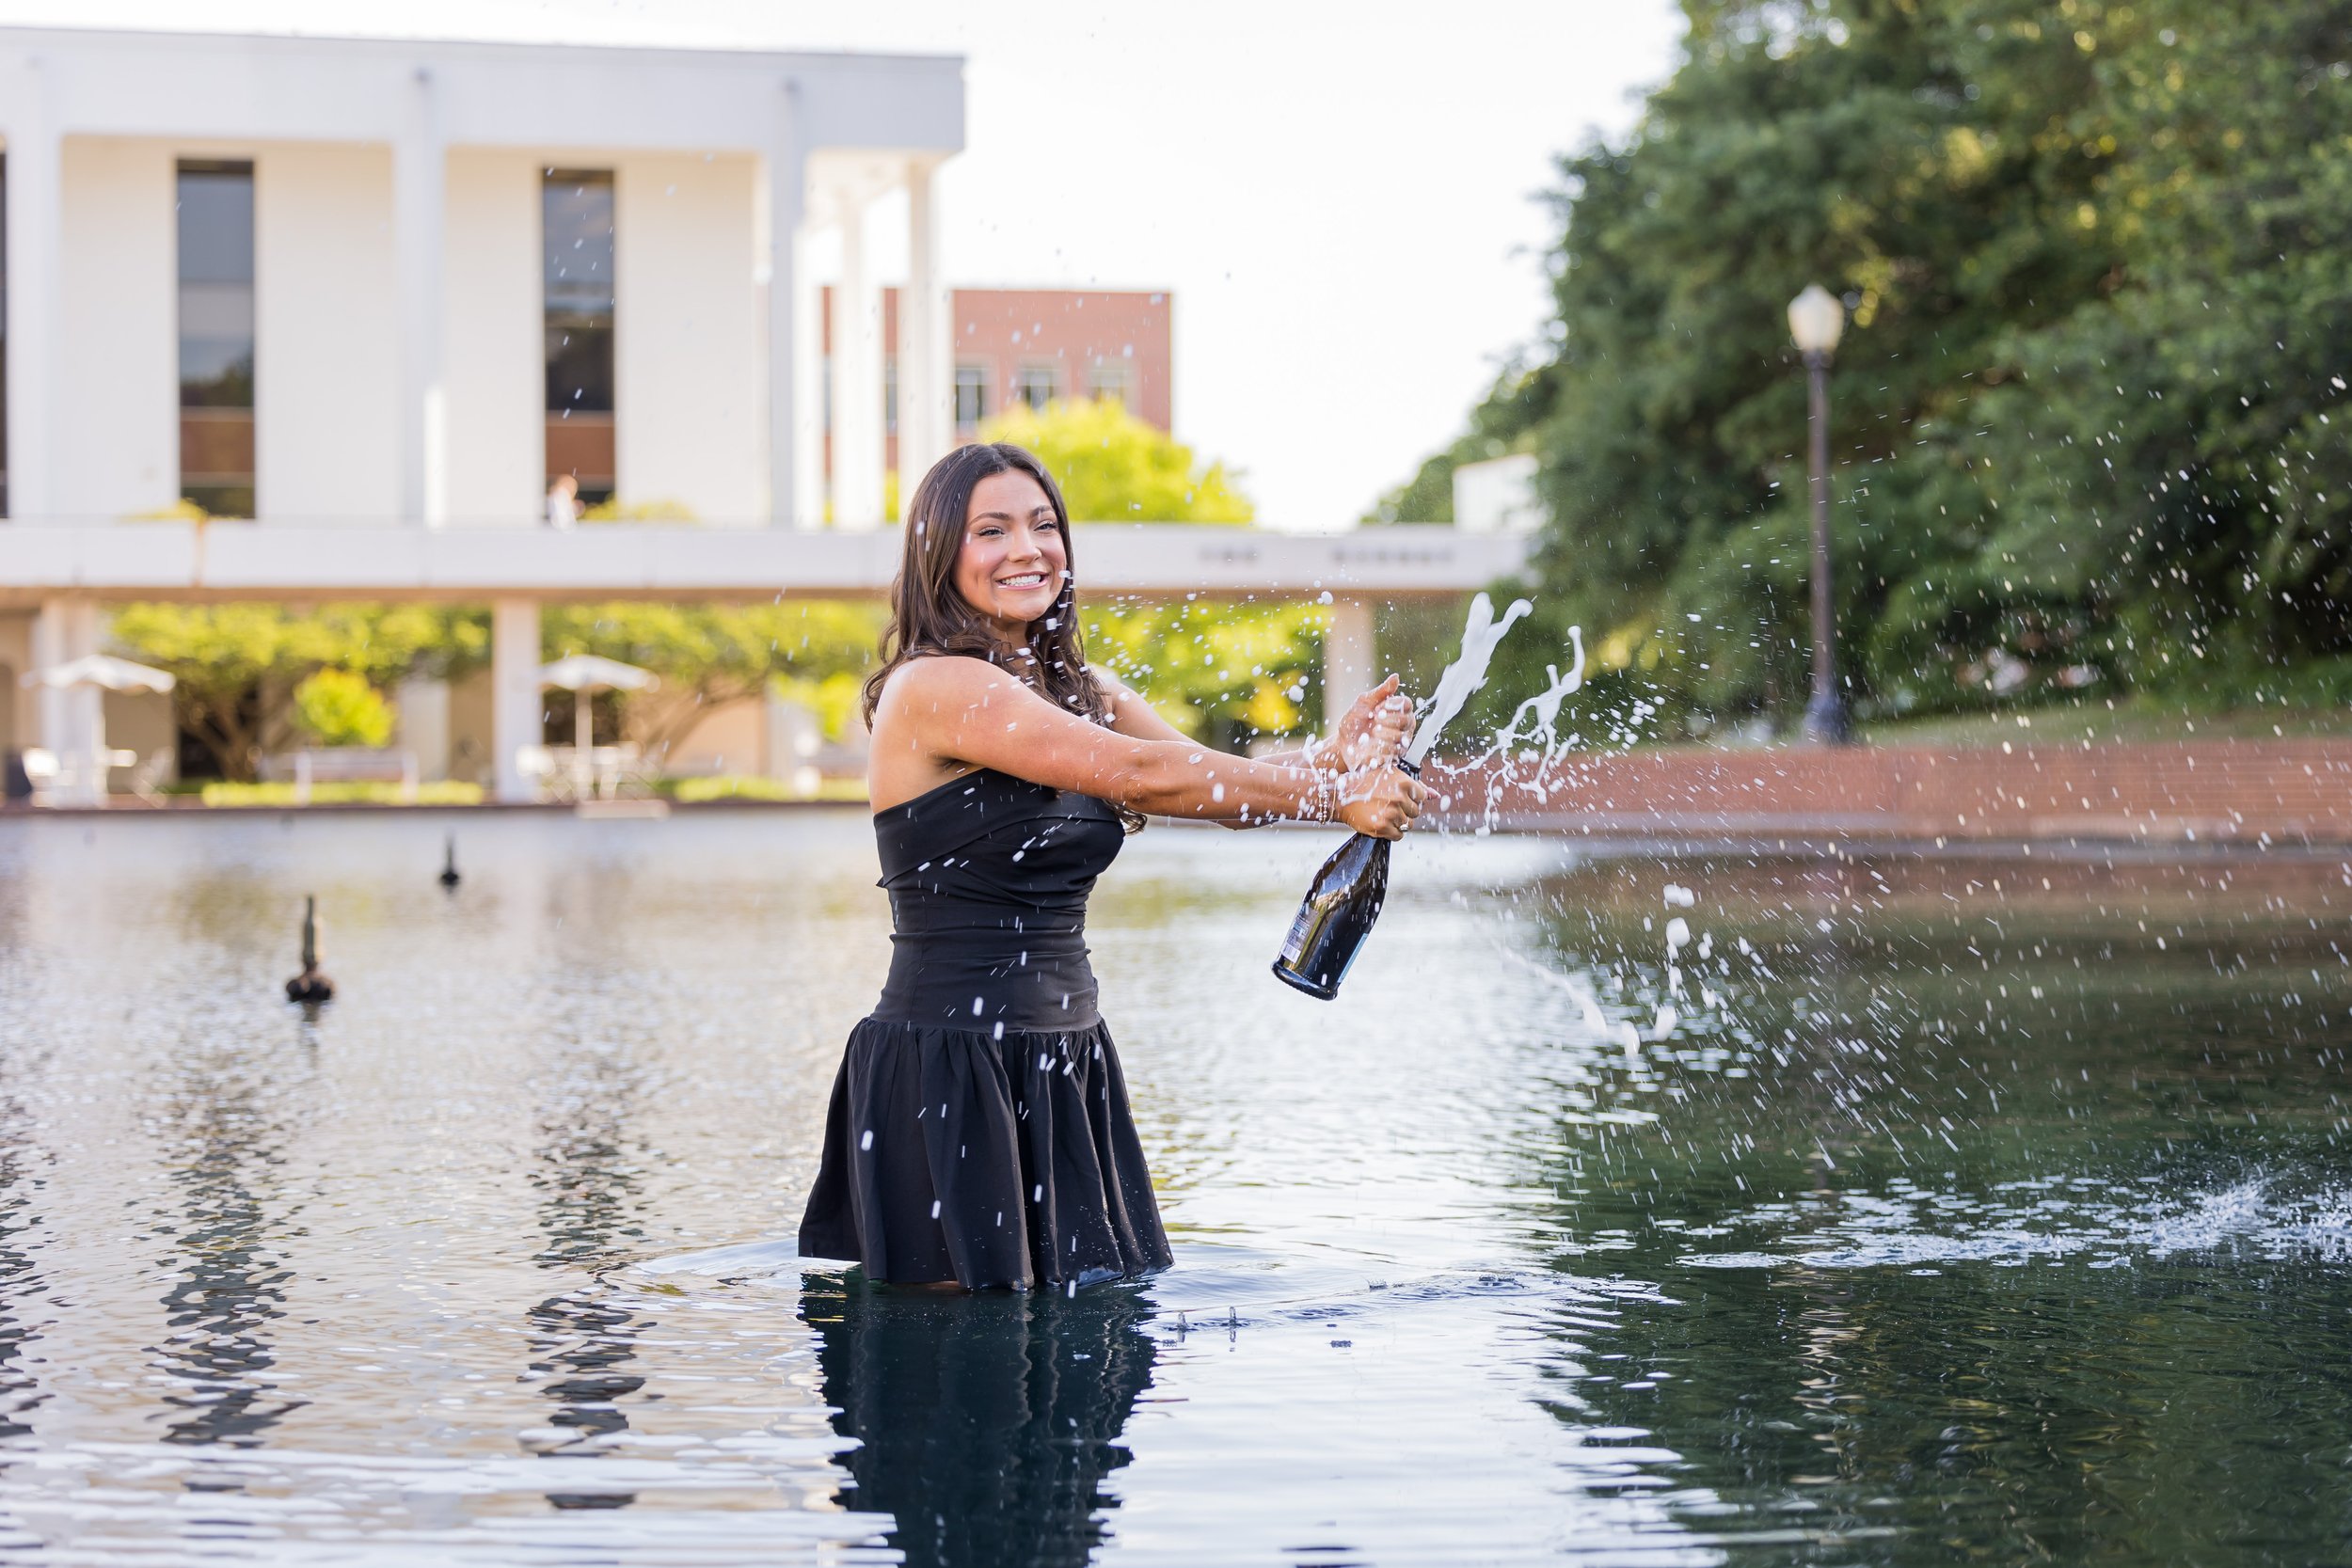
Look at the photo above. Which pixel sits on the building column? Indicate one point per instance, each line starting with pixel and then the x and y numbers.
pixel 72 719
pixel 793 480
pixel 809 389
pixel 423 706
pixel 794 737
pixel 420 208
pixel 35 217
pixel 514 706
pixel 857 374
pixel 1350 657
pixel 926 329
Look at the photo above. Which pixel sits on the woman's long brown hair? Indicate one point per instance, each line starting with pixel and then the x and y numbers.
pixel 928 616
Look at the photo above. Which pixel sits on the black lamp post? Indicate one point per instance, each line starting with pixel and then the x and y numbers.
pixel 1816 319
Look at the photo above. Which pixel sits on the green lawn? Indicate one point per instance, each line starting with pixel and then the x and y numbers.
pixel 2098 720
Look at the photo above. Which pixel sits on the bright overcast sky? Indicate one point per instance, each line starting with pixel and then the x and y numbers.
pixel 1337 194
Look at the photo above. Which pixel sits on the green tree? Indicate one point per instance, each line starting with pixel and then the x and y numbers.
pixel 1227 671
pixel 712 656
pixel 614 510
pixel 1501 425
pixel 237 665
pixel 338 707
pixel 2161 477
pixel 2092 257
pixel 1113 467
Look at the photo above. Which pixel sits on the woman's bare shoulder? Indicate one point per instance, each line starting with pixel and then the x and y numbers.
pixel 927 678
pixel 916 717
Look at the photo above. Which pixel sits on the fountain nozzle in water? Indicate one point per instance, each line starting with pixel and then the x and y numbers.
pixel 310 986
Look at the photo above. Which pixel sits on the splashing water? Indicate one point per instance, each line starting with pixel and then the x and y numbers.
pixel 2112 1224
pixel 1466 675
pixel 1541 713
pixel 1544 708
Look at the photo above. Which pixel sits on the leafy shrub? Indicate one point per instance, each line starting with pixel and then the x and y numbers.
pixel 658 511
pixel 745 787
pixel 371 792
pixel 338 707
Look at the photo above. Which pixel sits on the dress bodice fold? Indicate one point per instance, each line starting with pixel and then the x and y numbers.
pixel 988 876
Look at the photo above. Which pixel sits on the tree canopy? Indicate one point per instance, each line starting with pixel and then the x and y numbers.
pixel 238 666
pixel 711 656
pixel 1228 672
pixel 1113 467
pixel 2093 256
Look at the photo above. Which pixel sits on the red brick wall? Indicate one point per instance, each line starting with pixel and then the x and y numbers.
pixel 1003 329
pixel 1006 328
pixel 2293 791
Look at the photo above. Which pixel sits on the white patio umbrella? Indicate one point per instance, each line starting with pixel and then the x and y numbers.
pixel 581 673
pixel 87 784
pixel 101 670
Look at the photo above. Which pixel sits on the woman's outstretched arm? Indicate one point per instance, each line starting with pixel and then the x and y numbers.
pixel 1376 728
pixel 949 712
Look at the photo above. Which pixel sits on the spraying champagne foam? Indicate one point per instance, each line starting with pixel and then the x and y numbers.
pixel 1466 675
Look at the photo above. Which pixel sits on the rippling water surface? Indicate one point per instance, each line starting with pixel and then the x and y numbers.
pixel 1881 1211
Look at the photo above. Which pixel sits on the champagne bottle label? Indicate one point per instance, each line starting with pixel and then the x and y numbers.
pixel 1296 942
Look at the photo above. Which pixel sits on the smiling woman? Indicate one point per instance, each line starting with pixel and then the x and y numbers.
pixel 978 1129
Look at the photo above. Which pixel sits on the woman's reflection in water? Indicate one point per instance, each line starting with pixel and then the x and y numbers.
pixel 986 1423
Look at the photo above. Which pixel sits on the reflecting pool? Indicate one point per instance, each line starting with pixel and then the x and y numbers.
pixel 1626 1208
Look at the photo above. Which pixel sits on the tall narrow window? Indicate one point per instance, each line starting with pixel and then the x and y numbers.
pixel 576 233
pixel 1114 380
pixel 216 336
pixel 971 396
pixel 1037 385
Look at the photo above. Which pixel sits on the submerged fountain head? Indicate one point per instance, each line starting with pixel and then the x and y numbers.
pixel 310 986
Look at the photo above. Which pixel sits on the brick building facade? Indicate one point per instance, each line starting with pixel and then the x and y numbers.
pixel 1033 346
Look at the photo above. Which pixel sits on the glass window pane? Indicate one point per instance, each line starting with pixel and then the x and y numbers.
pixel 217 223
pixel 579 368
pixel 1037 385
pixel 576 235
pixel 577 243
pixel 216 336
pixel 1114 380
pixel 971 395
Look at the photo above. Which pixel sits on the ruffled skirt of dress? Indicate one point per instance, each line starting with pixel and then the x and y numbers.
pixel 953 1154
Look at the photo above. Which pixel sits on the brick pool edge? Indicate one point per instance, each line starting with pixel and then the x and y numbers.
pixel 2241 792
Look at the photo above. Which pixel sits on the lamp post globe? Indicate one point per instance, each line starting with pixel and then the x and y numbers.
pixel 1816 319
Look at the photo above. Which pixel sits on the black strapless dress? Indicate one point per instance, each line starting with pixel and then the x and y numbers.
pixel 980 1129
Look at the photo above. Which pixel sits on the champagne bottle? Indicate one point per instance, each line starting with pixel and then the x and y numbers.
pixel 1337 914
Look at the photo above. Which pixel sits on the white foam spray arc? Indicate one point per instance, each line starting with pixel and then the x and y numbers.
pixel 1466 675
pixel 1545 705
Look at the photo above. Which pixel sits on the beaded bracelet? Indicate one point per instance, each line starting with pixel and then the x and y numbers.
pixel 1326 802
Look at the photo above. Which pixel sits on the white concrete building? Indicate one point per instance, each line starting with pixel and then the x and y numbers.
pixel 368 298
pixel 396 299
pixel 1498 496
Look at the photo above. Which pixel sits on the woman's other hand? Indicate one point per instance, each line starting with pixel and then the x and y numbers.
pixel 1376 727
pixel 1381 801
